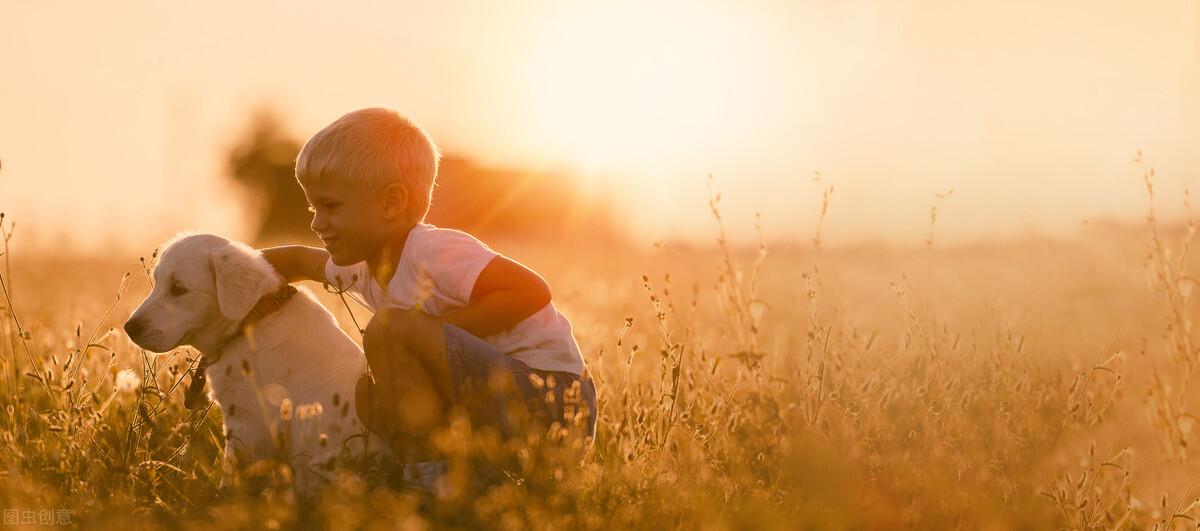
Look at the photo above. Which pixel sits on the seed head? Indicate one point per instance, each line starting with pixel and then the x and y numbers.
pixel 127 381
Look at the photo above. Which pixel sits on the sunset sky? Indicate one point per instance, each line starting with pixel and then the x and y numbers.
pixel 115 117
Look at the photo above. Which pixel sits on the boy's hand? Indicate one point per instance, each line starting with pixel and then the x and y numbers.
pixel 505 294
pixel 298 262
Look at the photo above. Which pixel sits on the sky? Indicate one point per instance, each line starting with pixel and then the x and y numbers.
pixel 115 117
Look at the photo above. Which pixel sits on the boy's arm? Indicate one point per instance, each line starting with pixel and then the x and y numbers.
pixel 505 294
pixel 298 262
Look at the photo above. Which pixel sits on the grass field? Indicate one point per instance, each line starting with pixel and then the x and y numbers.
pixel 1029 383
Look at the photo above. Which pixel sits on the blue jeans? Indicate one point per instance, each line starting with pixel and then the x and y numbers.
pixel 548 396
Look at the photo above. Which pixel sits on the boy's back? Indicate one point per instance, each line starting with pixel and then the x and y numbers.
pixel 436 272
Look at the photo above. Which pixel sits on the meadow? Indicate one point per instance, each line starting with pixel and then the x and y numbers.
pixel 1023 383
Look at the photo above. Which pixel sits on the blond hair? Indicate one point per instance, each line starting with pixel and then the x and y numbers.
pixel 373 148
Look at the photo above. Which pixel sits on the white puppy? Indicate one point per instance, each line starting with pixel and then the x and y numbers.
pixel 265 352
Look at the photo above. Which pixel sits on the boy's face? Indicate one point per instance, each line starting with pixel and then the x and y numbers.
pixel 350 221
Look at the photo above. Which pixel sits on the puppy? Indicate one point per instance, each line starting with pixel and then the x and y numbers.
pixel 282 371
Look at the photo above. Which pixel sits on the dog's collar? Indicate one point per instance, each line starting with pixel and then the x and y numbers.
pixel 265 306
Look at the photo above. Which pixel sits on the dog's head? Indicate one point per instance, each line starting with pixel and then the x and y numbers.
pixel 203 286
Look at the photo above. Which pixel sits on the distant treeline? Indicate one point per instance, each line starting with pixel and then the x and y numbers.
pixel 494 204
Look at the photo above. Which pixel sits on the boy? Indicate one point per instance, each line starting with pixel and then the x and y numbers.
pixel 455 323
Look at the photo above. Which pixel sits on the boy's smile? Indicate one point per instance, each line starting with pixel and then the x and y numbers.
pixel 348 221
pixel 356 224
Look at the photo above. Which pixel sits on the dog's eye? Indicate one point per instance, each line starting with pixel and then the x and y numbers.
pixel 177 289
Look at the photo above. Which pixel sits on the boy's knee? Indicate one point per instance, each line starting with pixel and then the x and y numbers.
pixel 387 328
pixel 392 328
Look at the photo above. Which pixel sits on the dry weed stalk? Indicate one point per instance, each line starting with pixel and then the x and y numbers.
pixel 1167 268
pixel 736 294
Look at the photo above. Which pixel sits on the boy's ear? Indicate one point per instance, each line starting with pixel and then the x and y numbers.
pixel 242 277
pixel 395 200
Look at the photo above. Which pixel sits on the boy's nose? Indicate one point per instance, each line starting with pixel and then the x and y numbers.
pixel 317 223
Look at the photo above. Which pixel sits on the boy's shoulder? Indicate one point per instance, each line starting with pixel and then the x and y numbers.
pixel 426 239
pixel 450 259
pixel 446 253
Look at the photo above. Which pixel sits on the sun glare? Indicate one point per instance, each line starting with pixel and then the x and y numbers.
pixel 617 88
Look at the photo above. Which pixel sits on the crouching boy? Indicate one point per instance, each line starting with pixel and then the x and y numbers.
pixel 455 324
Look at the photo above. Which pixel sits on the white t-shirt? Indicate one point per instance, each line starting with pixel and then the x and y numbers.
pixel 437 269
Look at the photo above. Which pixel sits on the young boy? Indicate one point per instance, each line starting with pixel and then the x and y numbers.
pixel 455 323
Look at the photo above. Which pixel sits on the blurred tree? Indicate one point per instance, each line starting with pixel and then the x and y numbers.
pixel 264 162
pixel 509 204
pixel 551 208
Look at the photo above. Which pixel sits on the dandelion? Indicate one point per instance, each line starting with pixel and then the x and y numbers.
pixel 127 381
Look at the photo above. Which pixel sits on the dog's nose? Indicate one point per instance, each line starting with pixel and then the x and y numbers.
pixel 134 328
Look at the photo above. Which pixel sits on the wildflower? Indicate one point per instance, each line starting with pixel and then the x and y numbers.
pixel 308 411
pixel 127 381
pixel 537 381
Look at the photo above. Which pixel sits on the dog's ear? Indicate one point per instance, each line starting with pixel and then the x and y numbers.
pixel 242 277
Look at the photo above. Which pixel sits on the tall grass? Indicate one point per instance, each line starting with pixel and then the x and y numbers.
pixel 1030 384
